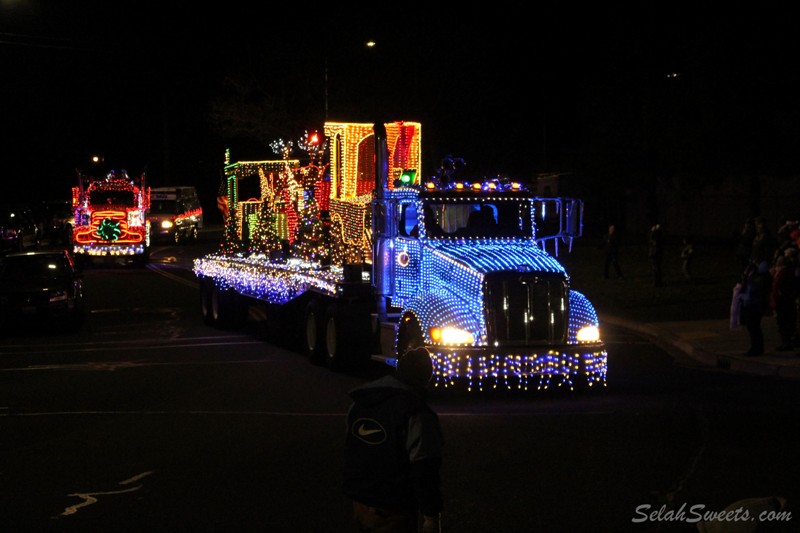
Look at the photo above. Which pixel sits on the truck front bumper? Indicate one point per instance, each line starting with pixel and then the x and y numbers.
pixel 573 365
pixel 98 249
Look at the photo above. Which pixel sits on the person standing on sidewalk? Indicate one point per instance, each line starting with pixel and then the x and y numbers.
pixel 611 245
pixel 687 256
pixel 744 248
pixel 764 244
pixel 783 301
pixel 393 451
pixel 756 287
pixel 656 252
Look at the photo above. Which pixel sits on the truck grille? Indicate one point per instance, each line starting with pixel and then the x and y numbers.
pixel 524 309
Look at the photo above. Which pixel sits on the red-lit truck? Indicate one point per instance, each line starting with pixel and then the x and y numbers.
pixel 111 217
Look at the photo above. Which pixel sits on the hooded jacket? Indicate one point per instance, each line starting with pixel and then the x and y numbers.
pixel 393 448
pixel 756 286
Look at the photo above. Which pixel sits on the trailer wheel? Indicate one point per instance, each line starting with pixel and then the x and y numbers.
pixel 313 339
pixel 207 302
pixel 222 308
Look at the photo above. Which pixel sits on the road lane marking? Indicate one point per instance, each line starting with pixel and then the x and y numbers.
pixel 89 497
pixel 111 366
pixel 160 270
pixel 341 414
pixel 127 347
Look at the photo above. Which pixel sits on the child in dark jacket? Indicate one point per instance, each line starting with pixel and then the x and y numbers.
pixel 393 451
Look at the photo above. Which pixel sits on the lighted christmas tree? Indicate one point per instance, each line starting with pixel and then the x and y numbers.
pixel 310 241
pixel 265 238
pixel 231 243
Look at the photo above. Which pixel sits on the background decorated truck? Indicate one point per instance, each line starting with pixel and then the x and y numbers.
pixel 111 217
pixel 370 260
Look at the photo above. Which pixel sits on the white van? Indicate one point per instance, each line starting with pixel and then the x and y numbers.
pixel 175 214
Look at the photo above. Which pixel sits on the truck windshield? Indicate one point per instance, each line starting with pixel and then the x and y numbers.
pixel 479 219
pixel 110 197
pixel 163 207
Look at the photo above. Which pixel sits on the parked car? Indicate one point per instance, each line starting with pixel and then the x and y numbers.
pixel 41 289
pixel 18 228
pixel 56 220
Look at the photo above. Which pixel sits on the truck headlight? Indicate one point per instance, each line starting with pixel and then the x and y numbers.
pixel 166 224
pixel 588 334
pixel 450 335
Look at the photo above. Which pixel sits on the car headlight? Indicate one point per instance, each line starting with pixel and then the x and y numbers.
pixel 450 335
pixel 588 334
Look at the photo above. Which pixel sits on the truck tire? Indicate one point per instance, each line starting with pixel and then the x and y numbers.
pixel 347 338
pixel 335 339
pixel 141 260
pixel 313 332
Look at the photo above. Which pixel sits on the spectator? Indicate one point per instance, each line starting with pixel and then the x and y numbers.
pixel 756 287
pixel 393 451
pixel 687 255
pixel 656 252
pixel 786 237
pixel 611 245
pixel 744 248
pixel 763 243
pixel 785 231
pixel 792 254
pixel 783 300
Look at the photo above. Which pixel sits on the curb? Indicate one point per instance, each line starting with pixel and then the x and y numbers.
pixel 678 347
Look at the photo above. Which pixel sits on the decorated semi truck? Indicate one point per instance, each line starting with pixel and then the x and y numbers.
pixel 369 260
pixel 111 217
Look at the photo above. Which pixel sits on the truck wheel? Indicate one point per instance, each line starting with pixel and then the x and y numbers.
pixel 335 343
pixel 313 339
pixel 177 237
pixel 346 343
pixel 141 260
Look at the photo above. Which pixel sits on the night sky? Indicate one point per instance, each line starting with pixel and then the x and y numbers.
pixel 512 89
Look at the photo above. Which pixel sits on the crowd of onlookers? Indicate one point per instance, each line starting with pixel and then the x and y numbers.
pixel 770 284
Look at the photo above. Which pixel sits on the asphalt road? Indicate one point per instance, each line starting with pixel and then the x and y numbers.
pixel 148 420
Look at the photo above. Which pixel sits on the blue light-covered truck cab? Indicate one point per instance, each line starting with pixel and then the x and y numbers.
pixel 464 271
